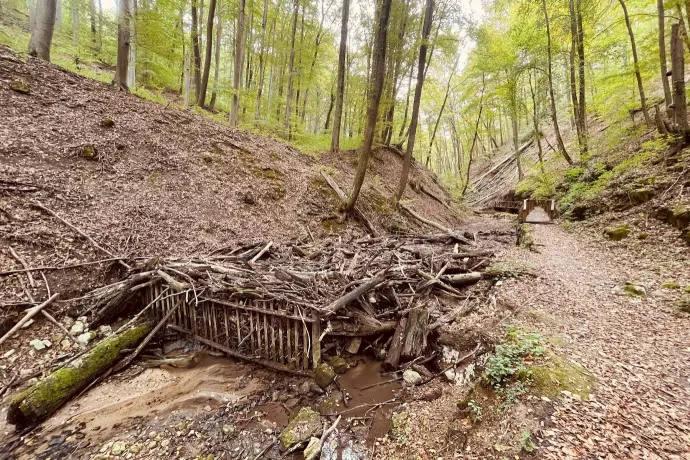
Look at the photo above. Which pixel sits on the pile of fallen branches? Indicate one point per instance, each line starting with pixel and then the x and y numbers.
pixel 361 287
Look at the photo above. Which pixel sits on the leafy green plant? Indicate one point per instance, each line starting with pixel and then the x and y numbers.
pixel 476 414
pixel 509 359
pixel 526 442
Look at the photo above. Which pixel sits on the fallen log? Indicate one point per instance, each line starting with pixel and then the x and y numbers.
pixel 414 342
pixel 462 279
pixel 431 223
pixel 42 399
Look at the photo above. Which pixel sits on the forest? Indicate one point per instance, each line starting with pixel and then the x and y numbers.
pixel 455 81
pixel 270 229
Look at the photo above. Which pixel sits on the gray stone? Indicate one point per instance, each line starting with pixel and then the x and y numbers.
pixel 40 344
pixel 77 328
pixel 118 448
pixel 324 375
pixel 411 377
pixel 340 366
pixel 306 424
pixel 85 338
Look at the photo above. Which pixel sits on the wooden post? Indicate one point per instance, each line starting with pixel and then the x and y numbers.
pixel 315 342
pixel 414 342
pixel 678 79
pixel 393 355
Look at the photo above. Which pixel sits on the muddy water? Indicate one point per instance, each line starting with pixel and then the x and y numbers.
pixel 376 402
pixel 212 382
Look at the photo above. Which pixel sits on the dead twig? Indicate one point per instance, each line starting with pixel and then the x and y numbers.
pixel 65 267
pixel 324 436
pixel 31 313
pixel 25 265
pixel 76 229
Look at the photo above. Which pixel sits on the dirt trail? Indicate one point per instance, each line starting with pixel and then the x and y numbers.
pixel 638 348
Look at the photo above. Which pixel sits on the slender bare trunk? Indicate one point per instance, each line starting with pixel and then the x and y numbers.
pixel 376 86
pixel 123 37
pixel 196 47
pixel 42 31
pixel 552 97
pixel 662 53
pixel 237 71
pixel 216 72
pixel 291 72
pixel 201 95
pixel 262 62
pixel 638 75
pixel 678 69
pixel 340 91
pixel 426 31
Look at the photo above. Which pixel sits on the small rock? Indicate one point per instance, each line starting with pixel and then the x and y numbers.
pixel 617 233
pixel 105 330
pixel 330 404
pixel 634 290
pixel 27 324
pixel 306 424
pixel 9 353
pixel 324 375
pixel 107 123
pixel 291 402
pixel 207 408
pixel 311 447
pixel 353 346
pixel 85 338
pixel 304 388
pixel 40 344
pixel 136 448
pixel 411 377
pixel 19 86
pixel 315 388
pixel 118 448
pixel 449 374
pixel 89 152
pixel 340 366
pixel 165 443
pixel 77 328
pixel 65 344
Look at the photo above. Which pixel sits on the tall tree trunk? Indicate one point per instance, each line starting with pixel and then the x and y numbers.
pixel 407 102
pixel 262 62
pixel 407 163
pixel 216 73
pixel 474 139
pixel 554 113
pixel 75 26
pixel 443 107
pixel 583 94
pixel 123 24
pixel 678 69
pixel 514 122
pixel 187 75
pixel 340 91
pixel 237 71
pixel 376 86
pixel 132 69
pixel 42 31
pixel 32 15
pixel 92 18
pixel 329 112
pixel 662 53
pixel 638 75
pixel 201 95
pixel 574 37
pixel 535 121
pixel 291 71
pixel 196 47
pixel 100 24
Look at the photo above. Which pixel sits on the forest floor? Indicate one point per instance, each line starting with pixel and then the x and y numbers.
pixel 637 347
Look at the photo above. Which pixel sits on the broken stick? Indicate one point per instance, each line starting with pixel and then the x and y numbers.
pixel 436 225
pixel 76 229
pixel 30 314
pixel 25 265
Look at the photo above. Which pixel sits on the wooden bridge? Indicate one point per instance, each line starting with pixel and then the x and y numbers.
pixel 530 211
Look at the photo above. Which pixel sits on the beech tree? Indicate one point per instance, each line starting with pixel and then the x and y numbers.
pixel 237 71
pixel 426 31
pixel 43 23
pixel 201 96
pixel 123 38
pixel 375 87
pixel 340 91
pixel 636 63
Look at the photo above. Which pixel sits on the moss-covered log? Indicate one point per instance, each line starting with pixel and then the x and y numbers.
pixel 42 399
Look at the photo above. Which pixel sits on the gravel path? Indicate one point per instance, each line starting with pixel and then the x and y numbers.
pixel 638 348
